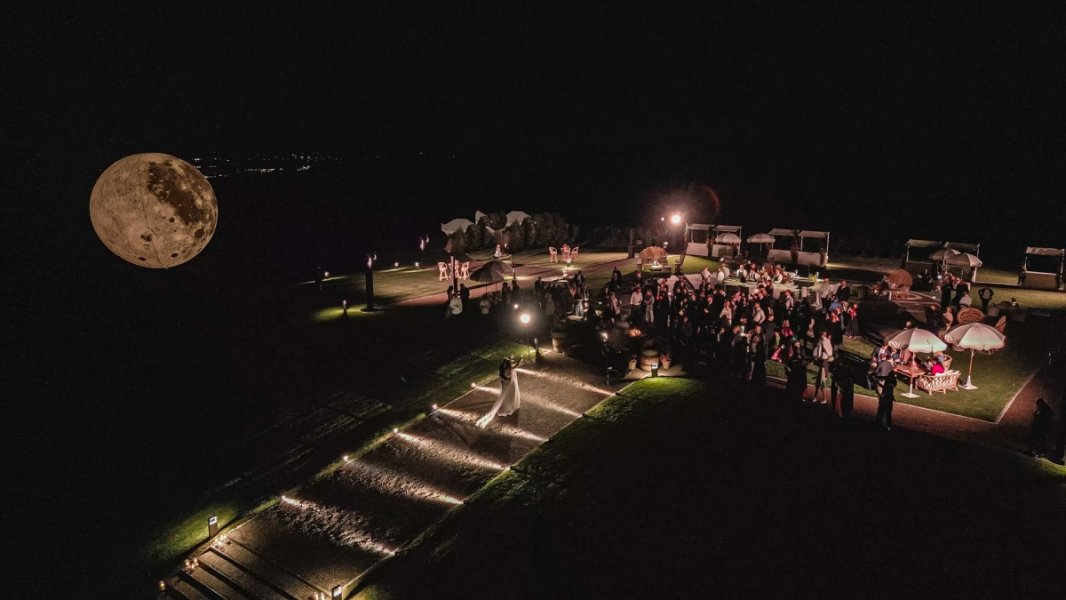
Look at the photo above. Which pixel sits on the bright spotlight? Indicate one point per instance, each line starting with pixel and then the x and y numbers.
pixel 434 407
pixel 524 318
pixel 345 458
pixel 473 385
pixel 395 430
pixel 676 219
pixel 516 307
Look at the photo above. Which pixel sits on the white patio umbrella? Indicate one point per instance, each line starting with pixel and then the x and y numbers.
pixel 974 337
pixel 729 238
pixel 943 253
pixel 916 340
pixel 940 255
pixel 761 239
pixel 965 260
pixel 455 225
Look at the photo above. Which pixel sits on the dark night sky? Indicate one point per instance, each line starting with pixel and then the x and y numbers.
pixel 809 106
pixel 893 119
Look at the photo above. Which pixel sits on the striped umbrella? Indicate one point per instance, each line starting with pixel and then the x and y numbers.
pixel 974 337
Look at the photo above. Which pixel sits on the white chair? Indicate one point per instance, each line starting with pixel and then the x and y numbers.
pixel 443 268
pixel 573 254
pixel 464 271
pixel 553 254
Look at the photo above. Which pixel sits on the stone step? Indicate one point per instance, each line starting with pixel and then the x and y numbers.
pixel 183 590
pixel 212 586
pixel 240 578
pixel 266 570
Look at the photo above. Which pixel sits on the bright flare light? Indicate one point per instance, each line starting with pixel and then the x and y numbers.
pixel 676 219
pixel 524 318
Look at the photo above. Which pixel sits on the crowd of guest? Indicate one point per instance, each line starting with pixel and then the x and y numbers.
pixel 733 329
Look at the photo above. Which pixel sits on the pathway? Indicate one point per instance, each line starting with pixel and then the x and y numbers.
pixel 332 532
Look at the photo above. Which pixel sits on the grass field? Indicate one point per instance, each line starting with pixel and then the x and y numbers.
pixel 998 376
pixel 394 284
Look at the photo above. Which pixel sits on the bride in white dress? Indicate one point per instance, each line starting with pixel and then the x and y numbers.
pixel 510 398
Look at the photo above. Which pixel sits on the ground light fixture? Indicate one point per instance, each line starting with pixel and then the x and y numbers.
pixel 396 430
pixel 212 526
pixel 338 592
pixel 655 369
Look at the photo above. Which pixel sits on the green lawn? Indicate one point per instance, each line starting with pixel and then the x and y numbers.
pixel 998 376
pixel 394 284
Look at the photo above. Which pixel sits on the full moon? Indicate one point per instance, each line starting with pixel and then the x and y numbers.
pixel 153 210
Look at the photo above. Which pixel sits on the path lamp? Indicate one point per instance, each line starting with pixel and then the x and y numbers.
pixel 337 592
pixel 655 369
pixel 212 526
pixel 370 258
pixel 525 320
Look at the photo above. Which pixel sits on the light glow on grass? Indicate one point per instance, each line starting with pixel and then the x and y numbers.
pixel 451 453
pixel 334 313
pixel 496 426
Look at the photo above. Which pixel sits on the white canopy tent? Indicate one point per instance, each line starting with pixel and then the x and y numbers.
pixel 516 216
pixel 1044 280
pixel 703 239
pixel 698 239
pixel 805 247
pixel 919 261
pixel 455 225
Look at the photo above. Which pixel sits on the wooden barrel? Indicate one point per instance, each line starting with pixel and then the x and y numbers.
pixel 560 341
pixel 648 357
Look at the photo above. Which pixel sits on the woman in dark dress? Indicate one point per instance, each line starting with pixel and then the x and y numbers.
pixel 851 331
pixel 796 374
pixel 757 354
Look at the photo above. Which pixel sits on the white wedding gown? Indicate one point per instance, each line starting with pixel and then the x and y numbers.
pixel 509 401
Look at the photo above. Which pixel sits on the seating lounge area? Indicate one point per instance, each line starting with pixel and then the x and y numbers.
pixel 941 382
